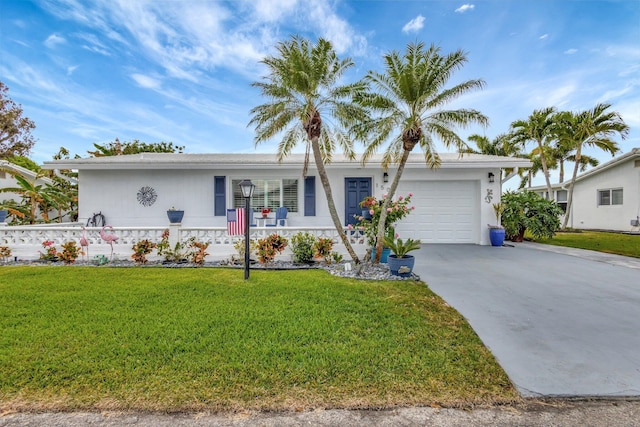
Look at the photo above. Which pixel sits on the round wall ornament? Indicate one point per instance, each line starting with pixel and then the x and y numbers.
pixel 147 196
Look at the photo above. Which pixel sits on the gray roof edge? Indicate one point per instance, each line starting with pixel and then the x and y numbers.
pixel 211 161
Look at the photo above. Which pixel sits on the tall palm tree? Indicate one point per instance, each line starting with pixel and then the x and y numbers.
pixel 593 128
pixel 302 88
pixel 408 102
pixel 539 128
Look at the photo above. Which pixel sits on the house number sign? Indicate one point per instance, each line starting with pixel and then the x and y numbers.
pixel 147 196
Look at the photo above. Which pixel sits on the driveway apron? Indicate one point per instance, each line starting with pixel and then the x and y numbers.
pixel 559 325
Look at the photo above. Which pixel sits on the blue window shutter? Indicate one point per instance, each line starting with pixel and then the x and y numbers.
pixel 310 196
pixel 219 196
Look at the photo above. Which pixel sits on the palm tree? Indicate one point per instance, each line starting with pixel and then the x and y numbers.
pixel 539 128
pixel 501 145
pixel 302 87
pixel 34 195
pixel 409 99
pixel 593 128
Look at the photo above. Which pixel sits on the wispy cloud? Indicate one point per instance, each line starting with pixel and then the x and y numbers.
pixel 53 40
pixel 465 8
pixel 570 51
pixel 71 69
pixel 414 25
pixel 146 81
pixel 544 36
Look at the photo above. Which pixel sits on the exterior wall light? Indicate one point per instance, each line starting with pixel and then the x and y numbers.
pixel 492 178
pixel 385 177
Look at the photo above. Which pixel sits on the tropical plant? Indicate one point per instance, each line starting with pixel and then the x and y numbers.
pixel 592 128
pixel 303 91
pixel 239 247
pixel 539 128
pixel 199 252
pixel 50 253
pixel 269 247
pixel 33 195
pixel 116 148
pixel 70 252
pixel 140 251
pixel 5 253
pixel 409 98
pixel 401 248
pixel 302 247
pixel 501 145
pixel 525 210
pixel 498 209
pixel 178 253
pixel 322 248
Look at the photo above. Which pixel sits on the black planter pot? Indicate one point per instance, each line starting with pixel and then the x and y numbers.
pixel 401 266
pixel 175 217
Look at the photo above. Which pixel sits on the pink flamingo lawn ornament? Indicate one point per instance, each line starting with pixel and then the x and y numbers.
pixel 84 243
pixel 109 238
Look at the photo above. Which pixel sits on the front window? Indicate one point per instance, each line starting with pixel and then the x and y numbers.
pixel 610 197
pixel 269 193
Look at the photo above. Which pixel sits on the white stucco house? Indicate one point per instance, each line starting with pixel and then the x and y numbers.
pixel 606 197
pixel 453 203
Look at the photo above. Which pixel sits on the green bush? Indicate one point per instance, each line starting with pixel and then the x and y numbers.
pixel 527 211
pixel 302 247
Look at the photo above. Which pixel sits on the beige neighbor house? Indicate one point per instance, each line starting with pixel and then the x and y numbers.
pixel 606 197
pixel 453 203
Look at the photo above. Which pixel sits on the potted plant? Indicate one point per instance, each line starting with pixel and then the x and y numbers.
pixel 175 215
pixel 265 212
pixel 496 232
pixel 401 264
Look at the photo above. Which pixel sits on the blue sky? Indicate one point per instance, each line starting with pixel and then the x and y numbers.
pixel 180 71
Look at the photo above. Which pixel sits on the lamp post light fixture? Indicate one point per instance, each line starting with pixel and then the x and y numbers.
pixel 491 177
pixel 385 177
pixel 247 187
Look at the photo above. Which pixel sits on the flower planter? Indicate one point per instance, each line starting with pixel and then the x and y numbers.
pixel 496 235
pixel 385 254
pixel 175 217
pixel 401 266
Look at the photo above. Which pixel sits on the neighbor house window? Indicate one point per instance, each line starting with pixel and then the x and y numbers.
pixel 269 193
pixel 561 199
pixel 612 196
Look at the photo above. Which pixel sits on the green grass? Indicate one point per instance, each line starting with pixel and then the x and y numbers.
pixel 204 339
pixel 613 243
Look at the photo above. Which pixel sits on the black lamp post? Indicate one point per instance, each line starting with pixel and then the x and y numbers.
pixel 246 186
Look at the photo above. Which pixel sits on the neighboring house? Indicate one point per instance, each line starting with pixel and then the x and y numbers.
pixel 453 204
pixel 8 170
pixel 606 197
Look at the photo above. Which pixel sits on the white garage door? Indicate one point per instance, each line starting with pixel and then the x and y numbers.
pixel 445 211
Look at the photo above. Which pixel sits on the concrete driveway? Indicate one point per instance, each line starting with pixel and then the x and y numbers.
pixel 560 323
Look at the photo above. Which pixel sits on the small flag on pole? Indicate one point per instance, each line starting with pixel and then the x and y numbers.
pixel 235 222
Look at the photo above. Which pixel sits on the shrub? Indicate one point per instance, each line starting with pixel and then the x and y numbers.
pixel 70 252
pixel 5 253
pixel 527 211
pixel 269 247
pixel 141 250
pixel 302 247
pixel 199 252
pixel 177 253
pixel 50 253
pixel 239 247
pixel 322 248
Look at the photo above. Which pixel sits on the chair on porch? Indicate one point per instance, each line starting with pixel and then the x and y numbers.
pixel 281 217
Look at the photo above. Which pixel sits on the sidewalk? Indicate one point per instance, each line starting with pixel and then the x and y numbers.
pixel 531 414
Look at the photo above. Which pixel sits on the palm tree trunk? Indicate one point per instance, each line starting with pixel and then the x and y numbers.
pixel 385 205
pixel 322 172
pixel 567 211
pixel 545 170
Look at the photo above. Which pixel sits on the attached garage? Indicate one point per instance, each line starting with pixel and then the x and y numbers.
pixel 445 211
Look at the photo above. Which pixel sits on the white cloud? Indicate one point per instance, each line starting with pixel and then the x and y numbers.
pixel 414 25
pixel 71 69
pixel 544 36
pixel 53 40
pixel 146 81
pixel 570 51
pixel 465 7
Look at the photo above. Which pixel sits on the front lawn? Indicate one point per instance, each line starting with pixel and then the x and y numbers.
pixel 204 339
pixel 613 243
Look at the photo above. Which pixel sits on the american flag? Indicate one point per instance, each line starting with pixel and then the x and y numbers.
pixel 235 221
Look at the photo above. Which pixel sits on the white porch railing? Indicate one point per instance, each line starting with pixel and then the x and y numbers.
pixel 25 242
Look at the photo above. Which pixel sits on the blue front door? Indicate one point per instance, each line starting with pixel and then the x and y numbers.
pixel 355 190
